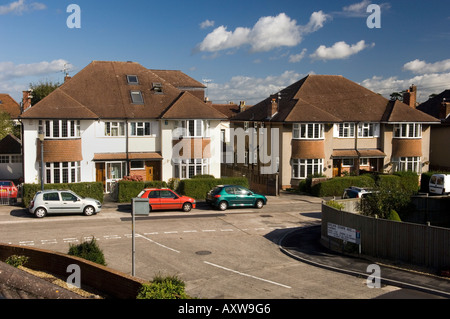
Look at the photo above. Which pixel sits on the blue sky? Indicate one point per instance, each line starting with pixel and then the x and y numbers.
pixel 245 50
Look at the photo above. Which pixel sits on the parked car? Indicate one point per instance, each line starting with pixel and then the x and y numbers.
pixel 8 192
pixel 440 184
pixel 356 192
pixel 166 199
pixel 224 196
pixel 62 201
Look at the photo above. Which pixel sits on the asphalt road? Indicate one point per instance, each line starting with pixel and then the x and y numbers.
pixel 220 255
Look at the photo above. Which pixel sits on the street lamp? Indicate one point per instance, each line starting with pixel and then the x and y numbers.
pixel 41 138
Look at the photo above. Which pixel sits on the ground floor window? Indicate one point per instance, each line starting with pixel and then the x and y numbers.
pixel 404 164
pixel 188 168
pixel 65 172
pixel 302 168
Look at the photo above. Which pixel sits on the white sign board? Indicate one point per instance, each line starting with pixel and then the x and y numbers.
pixel 344 233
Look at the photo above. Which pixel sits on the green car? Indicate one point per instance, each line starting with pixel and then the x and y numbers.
pixel 224 196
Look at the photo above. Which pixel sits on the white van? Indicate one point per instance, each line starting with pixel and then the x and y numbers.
pixel 440 184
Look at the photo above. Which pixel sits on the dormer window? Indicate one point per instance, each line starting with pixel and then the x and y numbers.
pixel 132 79
pixel 136 97
pixel 157 88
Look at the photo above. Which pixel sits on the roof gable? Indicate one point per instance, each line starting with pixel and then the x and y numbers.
pixel 187 106
pixel 9 105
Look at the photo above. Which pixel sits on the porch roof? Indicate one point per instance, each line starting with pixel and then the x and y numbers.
pixel 370 153
pixel 123 156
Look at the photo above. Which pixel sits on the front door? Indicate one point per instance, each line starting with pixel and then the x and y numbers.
pixel 337 166
pixel 149 173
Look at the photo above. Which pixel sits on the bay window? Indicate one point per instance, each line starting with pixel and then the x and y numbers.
pixel 307 131
pixel 408 130
pixel 302 168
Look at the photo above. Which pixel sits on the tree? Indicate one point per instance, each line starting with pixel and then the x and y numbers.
pixel 396 96
pixel 6 125
pixel 41 90
pixel 384 202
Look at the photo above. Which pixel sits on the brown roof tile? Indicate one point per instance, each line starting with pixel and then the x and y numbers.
pixel 187 106
pixel 9 105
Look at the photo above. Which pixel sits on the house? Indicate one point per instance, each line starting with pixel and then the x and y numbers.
pixel 116 119
pixel 11 146
pixel 331 126
pixel 439 107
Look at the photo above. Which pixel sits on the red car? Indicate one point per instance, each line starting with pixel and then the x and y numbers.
pixel 8 191
pixel 165 199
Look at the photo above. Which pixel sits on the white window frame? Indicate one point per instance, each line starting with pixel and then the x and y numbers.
pixel 402 164
pixel 136 126
pixel 187 168
pixel 200 128
pixel 348 164
pixel 364 161
pixel 307 131
pixel 408 130
pixel 62 172
pixel 346 130
pixel 110 127
pixel 302 168
pixel 60 129
pixel 367 130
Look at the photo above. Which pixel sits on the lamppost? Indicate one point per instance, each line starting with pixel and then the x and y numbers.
pixel 41 139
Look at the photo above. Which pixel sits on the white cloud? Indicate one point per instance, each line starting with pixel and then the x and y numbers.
pixel 359 9
pixel 9 70
pixel 421 67
pixel 206 24
pixel 268 33
pixel 250 89
pixel 294 58
pixel 339 50
pixel 426 84
pixel 21 6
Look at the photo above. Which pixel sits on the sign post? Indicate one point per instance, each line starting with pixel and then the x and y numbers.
pixel 139 206
pixel 345 233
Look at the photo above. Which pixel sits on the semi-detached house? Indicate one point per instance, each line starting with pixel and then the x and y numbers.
pixel 330 125
pixel 116 119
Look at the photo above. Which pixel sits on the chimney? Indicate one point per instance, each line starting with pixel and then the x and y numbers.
pixel 67 78
pixel 241 106
pixel 26 99
pixel 444 109
pixel 410 96
pixel 273 107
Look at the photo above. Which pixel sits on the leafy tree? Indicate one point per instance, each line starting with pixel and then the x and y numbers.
pixel 6 125
pixel 385 202
pixel 41 90
pixel 396 96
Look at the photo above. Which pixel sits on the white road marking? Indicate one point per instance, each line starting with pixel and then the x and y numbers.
pixel 152 241
pixel 226 230
pixel 247 275
pixel 70 240
pixel 171 232
pixel 208 230
pixel 48 241
pixel 189 231
pixel 26 243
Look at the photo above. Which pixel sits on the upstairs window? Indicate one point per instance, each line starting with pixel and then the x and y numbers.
pixel 408 130
pixel 346 129
pixel 132 79
pixel 136 97
pixel 307 131
pixel 193 128
pixel 114 129
pixel 140 129
pixel 60 128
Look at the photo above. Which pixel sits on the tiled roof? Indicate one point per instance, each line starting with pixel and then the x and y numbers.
pixel 101 90
pixel 329 98
pixel 187 106
pixel 9 105
pixel 433 105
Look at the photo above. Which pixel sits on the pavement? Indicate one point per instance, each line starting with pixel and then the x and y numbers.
pixel 301 244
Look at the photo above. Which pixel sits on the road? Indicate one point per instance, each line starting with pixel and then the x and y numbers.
pixel 220 255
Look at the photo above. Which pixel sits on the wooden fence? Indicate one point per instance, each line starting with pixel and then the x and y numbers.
pixel 416 244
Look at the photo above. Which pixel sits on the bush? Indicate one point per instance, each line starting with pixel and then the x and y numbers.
pixel 335 204
pixel 16 260
pixel 163 288
pixel 337 185
pixel 86 189
pixel 203 176
pixel 127 190
pixel 88 250
pixel 197 188
pixel 393 215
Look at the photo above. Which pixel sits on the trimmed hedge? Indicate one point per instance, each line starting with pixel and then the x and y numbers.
pixel 130 189
pixel 337 185
pixel 197 188
pixel 86 189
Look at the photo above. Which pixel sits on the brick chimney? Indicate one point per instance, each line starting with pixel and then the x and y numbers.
pixel 241 106
pixel 273 108
pixel 410 96
pixel 444 110
pixel 67 78
pixel 26 99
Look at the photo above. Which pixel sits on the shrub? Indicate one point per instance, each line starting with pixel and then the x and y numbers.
pixel 16 260
pixel 163 288
pixel 85 189
pixel 130 189
pixel 197 188
pixel 335 204
pixel 337 185
pixel 393 215
pixel 88 250
pixel 203 176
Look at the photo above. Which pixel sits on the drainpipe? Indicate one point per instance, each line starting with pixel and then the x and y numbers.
pixel 126 148
pixel 356 148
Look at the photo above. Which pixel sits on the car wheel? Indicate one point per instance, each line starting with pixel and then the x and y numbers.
pixel 89 211
pixel 223 205
pixel 187 207
pixel 259 204
pixel 40 212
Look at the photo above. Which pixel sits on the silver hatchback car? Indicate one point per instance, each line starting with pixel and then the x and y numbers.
pixel 62 201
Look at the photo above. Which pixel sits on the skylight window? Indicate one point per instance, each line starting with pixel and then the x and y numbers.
pixel 136 97
pixel 157 88
pixel 132 79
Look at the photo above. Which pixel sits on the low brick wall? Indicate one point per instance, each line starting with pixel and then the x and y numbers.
pixel 108 281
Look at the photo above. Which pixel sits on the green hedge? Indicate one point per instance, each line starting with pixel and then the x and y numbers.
pixel 130 189
pixel 197 188
pixel 337 185
pixel 92 189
